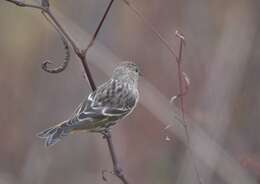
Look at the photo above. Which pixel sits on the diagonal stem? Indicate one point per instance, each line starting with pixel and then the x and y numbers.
pixel 26 5
pixel 64 32
pixel 99 27
pixel 186 128
pixel 179 68
pixel 106 134
pixel 116 169
pixel 82 54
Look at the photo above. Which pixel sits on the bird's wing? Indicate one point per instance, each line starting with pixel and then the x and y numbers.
pixel 111 101
pixel 115 94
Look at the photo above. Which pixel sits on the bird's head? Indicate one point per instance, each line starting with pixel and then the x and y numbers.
pixel 127 71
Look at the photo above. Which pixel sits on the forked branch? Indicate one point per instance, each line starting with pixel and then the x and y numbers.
pixel 45 8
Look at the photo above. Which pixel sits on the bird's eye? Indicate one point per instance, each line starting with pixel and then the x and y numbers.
pixel 136 70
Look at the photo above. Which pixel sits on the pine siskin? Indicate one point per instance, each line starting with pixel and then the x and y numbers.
pixel 113 100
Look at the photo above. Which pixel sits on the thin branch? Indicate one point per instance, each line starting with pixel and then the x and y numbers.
pixel 179 65
pixel 26 5
pixel 45 8
pixel 82 54
pixel 152 28
pixel 185 90
pixel 62 30
pixel 182 92
pixel 99 27
pixel 117 171
pixel 76 49
pixel 88 73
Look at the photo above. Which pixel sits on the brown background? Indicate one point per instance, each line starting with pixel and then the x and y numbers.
pixel 221 58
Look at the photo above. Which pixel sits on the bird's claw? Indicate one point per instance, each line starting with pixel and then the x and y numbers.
pixel 106 133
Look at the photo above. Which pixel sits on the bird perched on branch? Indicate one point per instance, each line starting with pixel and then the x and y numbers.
pixel 111 101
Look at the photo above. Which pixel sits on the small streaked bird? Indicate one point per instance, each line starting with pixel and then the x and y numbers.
pixel 111 101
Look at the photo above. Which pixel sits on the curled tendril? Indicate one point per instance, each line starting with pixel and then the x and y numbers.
pixel 63 66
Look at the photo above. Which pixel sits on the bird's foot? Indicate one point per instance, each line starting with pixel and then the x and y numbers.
pixel 106 133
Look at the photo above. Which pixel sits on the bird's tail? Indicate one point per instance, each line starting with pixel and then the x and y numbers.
pixel 54 134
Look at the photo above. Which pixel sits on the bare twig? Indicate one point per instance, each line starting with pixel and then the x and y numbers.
pixel 26 5
pixel 116 170
pixel 46 11
pixel 179 65
pixel 181 97
pixel 185 90
pixel 83 53
pixel 62 30
pixel 99 27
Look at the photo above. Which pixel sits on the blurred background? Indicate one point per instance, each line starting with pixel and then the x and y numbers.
pixel 221 58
